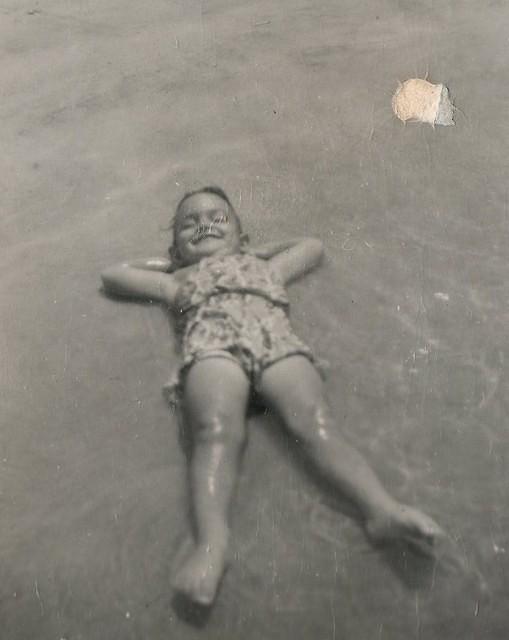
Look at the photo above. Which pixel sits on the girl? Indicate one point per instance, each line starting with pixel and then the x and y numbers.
pixel 231 308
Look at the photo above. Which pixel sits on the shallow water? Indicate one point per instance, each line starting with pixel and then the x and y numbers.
pixel 110 111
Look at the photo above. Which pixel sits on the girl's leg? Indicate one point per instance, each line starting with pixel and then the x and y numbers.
pixel 215 398
pixel 293 388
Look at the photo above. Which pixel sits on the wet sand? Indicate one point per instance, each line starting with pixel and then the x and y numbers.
pixel 110 111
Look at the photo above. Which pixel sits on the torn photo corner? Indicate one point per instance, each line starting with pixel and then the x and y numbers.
pixel 417 100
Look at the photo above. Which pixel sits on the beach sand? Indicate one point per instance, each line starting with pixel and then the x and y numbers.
pixel 110 111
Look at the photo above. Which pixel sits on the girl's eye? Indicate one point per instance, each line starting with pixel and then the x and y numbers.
pixel 221 220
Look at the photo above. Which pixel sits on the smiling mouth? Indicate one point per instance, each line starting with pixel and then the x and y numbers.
pixel 206 234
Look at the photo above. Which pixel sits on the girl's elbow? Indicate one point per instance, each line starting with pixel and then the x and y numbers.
pixel 317 248
pixel 107 280
pixel 110 276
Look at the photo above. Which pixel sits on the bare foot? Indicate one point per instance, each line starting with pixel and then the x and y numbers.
pixel 199 575
pixel 406 524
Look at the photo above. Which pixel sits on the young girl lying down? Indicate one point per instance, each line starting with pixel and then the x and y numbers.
pixel 232 311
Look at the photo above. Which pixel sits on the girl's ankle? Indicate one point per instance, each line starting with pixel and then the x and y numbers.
pixel 216 541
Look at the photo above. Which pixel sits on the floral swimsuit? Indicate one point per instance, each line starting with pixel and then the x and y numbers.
pixel 234 307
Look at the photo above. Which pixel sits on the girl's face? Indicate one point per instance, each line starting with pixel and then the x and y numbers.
pixel 205 226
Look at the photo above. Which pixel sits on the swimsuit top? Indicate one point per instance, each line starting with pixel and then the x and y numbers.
pixel 236 273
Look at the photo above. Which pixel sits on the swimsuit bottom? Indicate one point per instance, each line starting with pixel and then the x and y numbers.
pixel 246 328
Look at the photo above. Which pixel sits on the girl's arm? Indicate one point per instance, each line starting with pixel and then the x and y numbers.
pixel 296 257
pixel 146 279
pixel 268 250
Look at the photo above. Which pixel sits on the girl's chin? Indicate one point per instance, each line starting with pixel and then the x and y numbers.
pixel 207 252
pixel 207 245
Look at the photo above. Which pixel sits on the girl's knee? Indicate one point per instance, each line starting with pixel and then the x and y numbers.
pixel 313 424
pixel 219 427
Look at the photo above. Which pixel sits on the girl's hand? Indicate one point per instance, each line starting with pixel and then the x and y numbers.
pixel 264 252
